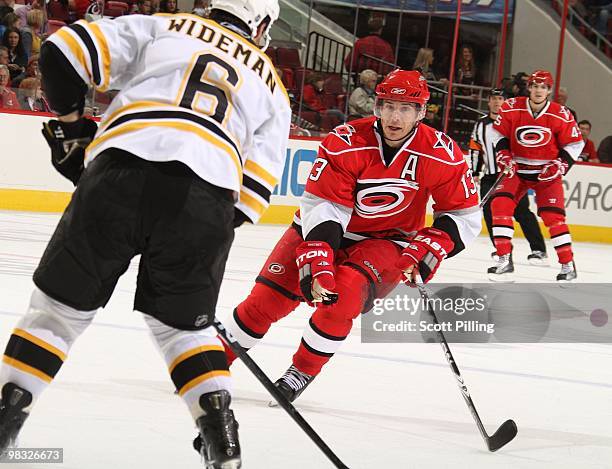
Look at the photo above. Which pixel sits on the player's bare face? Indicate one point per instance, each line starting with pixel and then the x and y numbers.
pixel 538 93
pixel 398 119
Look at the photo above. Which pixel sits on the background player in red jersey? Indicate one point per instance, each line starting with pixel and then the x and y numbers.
pixel 361 225
pixel 537 142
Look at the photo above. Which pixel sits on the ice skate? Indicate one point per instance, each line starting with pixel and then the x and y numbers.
pixel 568 272
pixel 503 271
pixel 218 439
pixel 538 258
pixel 14 400
pixel 292 384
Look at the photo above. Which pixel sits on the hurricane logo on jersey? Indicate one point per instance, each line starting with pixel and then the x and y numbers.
pixel 376 198
pixel 533 136
pixel 344 131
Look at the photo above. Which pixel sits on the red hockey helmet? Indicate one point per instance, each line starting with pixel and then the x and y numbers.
pixel 541 76
pixel 404 85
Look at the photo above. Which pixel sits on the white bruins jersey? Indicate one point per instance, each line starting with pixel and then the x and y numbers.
pixel 190 91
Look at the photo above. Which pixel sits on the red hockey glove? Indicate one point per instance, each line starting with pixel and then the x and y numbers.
pixel 506 163
pixel 553 170
pixel 423 255
pixel 315 261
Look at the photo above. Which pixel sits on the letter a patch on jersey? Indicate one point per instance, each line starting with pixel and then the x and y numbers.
pixel 444 141
pixel 344 132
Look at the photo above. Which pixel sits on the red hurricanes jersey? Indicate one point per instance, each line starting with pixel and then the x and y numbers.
pixel 540 138
pixel 350 171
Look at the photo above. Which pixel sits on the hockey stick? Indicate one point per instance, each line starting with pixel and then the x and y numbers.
pixel 282 401
pixel 497 182
pixel 508 430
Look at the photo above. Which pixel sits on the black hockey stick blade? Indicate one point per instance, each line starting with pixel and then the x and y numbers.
pixel 504 435
pixel 276 394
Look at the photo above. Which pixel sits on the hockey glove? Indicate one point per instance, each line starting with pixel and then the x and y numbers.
pixel 506 163
pixel 315 261
pixel 553 170
pixel 68 141
pixel 424 254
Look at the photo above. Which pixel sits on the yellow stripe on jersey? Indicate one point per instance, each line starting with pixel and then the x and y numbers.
pixel 104 52
pixel 128 107
pixel 254 168
pixel 252 203
pixel 27 369
pixel 194 351
pixel 75 48
pixel 200 379
pixel 41 343
pixel 184 126
pixel 149 104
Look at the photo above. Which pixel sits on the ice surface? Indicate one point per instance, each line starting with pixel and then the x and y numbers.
pixel 377 405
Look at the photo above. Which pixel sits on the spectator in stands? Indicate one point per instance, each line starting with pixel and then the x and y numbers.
pixel 8 99
pixel 18 59
pixel 361 102
pixel 143 7
pixel 6 7
pixel 603 12
pixel 31 97
pixel 519 86
pixel 589 153
pixel 432 116
pixel 4 56
pixel 31 71
pixel 31 35
pixel 581 10
pixel 424 63
pixel 604 152
pixel 562 100
pixel 506 85
pixel 313 96
pixel 168 6
pixel 466 68
pixel 23 11
pixel 372 52
pixel 10 20
pixel 200 8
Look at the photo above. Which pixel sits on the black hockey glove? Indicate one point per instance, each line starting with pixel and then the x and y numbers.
pixel 239 218
pixel 68 141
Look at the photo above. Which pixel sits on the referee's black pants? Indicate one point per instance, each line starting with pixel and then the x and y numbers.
pixel 522 214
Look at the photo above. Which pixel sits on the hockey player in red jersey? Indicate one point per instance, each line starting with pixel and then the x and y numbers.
pixel 361 225
pixel 537 142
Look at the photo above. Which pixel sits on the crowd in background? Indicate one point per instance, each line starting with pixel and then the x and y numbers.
pixel 23 27
pixel 22 30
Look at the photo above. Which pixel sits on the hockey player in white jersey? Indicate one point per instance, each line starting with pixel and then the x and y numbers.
pixel 190 148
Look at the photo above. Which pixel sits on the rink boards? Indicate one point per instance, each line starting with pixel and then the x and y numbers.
pixel 28 182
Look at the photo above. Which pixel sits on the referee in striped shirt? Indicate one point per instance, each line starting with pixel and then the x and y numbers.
pixel 483 160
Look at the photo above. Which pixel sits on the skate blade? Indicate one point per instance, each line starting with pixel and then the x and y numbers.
pixel 539 262
pixel 231 464
pixel 502 278
pixel 566 283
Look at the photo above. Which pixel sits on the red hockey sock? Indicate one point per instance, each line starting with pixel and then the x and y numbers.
pixel 562 241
